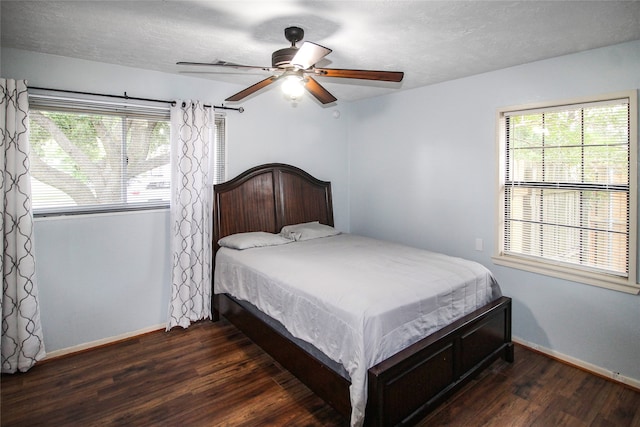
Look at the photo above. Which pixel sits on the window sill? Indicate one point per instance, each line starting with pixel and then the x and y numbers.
pixel 606 281
pixel 100 209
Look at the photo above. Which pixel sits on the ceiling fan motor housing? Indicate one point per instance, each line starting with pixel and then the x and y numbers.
pixel 283 57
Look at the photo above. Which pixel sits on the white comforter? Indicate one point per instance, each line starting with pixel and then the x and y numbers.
pixel 357 299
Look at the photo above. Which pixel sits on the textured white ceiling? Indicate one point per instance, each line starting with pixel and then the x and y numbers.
pixel 431 41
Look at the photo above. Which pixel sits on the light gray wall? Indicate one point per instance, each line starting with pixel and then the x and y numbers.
pixel 102 276
pixel 423 171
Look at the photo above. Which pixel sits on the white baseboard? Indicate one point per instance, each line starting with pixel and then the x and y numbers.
pixel 103 341
pixel 615 376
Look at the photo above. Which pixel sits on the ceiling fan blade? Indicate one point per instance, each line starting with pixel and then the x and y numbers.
pixel 385 76
pixel 319 92
pixel 226 64
pixel 252 89
pixel 308 54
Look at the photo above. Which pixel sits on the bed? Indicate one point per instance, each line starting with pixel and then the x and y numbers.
pixel 401 386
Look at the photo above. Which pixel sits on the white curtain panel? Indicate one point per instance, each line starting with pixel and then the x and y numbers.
pixel 192 139
pixel 22 343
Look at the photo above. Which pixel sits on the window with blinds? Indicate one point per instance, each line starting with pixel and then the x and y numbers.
pixel 568 190
pixel 90 156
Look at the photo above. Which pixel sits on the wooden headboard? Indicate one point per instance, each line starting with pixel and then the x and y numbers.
pixel 268 197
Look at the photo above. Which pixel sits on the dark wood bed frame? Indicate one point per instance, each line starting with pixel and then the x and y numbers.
pixel 402 388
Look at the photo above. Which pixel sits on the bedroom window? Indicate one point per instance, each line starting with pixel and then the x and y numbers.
pixel 568 190
pixel 91 156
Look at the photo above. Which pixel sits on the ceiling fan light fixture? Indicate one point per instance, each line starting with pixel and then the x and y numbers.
pixel 293 86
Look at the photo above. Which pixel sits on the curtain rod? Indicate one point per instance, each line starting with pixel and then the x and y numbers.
pixel 135 98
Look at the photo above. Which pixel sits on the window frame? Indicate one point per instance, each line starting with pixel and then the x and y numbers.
pixel 556 269
pixel 126 110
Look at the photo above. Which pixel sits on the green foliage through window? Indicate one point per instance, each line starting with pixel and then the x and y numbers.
pixel 87 160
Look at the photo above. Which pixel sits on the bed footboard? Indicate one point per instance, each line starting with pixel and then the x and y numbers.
pixel 403 388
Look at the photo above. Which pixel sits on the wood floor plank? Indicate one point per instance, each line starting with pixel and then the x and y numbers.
pixel 212 375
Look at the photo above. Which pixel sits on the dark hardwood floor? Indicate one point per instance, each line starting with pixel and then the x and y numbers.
pixel 212 375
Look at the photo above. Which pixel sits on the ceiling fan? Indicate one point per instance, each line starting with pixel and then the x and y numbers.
pixel 296 67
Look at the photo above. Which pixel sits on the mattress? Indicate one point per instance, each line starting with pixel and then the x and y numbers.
pixel 356 299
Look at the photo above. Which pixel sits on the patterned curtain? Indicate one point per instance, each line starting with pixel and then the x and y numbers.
pixel 192 139
pixel 22 342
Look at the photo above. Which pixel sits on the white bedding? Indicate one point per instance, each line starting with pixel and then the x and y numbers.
pixel 357 299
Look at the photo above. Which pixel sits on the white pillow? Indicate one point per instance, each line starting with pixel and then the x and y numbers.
pixel 307 231
pixel 254 239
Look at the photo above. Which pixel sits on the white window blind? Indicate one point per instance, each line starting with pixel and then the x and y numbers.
pixel 567 189
pixel 91 155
